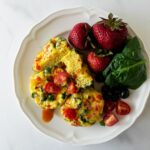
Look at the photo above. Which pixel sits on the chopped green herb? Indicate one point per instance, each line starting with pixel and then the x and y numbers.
pixel 86 111
pixel 64 95
pixel 50 97
pixel 33 95
pixel 83 119
pixel 47 70
pixel 102 123
pixel 44 97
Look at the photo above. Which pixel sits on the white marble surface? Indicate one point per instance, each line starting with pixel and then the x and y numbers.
pixel 16 19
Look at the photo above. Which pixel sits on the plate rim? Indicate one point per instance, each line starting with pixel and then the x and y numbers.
pixel 31 33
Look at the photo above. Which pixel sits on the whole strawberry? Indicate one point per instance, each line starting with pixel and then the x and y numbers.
pixel 98 61
pixel 78 36
pixel 111 33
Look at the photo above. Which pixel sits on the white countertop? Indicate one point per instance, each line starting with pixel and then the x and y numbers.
pixel 16 19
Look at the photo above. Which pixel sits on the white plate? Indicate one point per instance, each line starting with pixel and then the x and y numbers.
pixel 60 23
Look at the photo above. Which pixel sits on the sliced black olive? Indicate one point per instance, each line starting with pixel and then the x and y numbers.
pixel 124 92
pixel 99 77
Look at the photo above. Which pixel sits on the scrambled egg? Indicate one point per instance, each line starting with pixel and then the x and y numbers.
pixel 55 54
pixel 58 51
pixel 37 84
pixel 57 57
pixel 86 108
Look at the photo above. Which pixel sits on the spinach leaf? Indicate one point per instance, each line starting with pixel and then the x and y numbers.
pixel 127 68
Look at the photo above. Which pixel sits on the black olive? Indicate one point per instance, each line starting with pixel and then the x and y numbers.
pixel 99 77
pixel 110 93
pixel 106 93
pixel 105 89
pixel 124 92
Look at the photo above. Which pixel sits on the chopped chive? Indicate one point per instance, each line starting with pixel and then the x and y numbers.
pixel 83 119
pixel 44 97
pixel 50 97
pixel 47 70
pixel 86 111
pixel 33 95
pixel 64 95
pixel 102 123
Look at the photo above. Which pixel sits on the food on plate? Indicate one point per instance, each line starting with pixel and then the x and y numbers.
pixel 98 61
pixel 111 33
pixel 83 108
pixel 88 87
pixel 79 36
pixel 114 93
pixel 128 67
pixel 109 106
pixel 51 53
pixel 48 86
pixel 122 108
pixel 110 119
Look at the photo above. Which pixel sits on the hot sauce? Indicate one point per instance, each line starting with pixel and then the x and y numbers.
pixel 47 114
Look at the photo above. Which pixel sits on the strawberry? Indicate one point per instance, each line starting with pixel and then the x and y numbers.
pixel 98 62
pixel 78 36
pixel 111 33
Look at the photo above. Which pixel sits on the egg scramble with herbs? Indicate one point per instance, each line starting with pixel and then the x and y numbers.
pixel 62 79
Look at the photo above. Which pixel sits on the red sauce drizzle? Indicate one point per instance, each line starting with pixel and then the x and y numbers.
pixel 47 115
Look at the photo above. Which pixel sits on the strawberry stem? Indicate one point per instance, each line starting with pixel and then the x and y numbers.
pixel 103 53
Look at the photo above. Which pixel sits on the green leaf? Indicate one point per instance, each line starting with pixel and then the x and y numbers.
pixel 127 68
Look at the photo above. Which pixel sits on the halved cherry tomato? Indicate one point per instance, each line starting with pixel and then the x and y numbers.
pixel 61 78
pixel 70 113
pixel 122 108
pixel 110 119
pixel 38 67
pixel 109 106
pixel 51 88
pixel 72 88
pixel 57 71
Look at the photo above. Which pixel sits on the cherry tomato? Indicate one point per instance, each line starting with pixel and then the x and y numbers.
pixel 51 88
pixel 70 113
pixel 72 88
pixel 109 106
pixel 110 119
pixel 122 108
pixel 38 67
pixel 61 78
